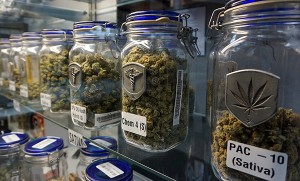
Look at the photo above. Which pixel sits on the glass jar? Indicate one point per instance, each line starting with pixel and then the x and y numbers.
pixel 44 160
pixel 30 66
pixel 110 169
pixel 11 155
pixel 94 76
pixel 256 85
pixel 14 63
pixel 54 61
pixel 154 81
pixel 4 55
pixel 93 152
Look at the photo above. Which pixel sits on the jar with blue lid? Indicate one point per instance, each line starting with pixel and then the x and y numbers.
pixel 94 75
pixel 155 79
pixel 256 88
pixel 4 58
pixel 93 152
pixel 110 169
pixel 30 66
pixel 11 155
pixel 14 62
pixel 54 62
pixel 44 160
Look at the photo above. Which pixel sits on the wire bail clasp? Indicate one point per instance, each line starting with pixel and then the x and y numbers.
pixel 215 22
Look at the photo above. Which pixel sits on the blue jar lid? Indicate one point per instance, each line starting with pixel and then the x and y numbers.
pixel 31 34
pixel 9 139
pixel 57 31
pixel 109 169
pixel 152 15
pixel 95 151
pixel 44 146
pixel 15 37
pixel 91 24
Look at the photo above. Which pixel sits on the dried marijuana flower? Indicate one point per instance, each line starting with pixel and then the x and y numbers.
pixel 280 134
pixel 158 101
pixel 55 80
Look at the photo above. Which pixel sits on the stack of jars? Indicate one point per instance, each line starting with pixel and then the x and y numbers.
pixel 4 58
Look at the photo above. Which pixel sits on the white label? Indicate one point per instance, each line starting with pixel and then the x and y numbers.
pixel 262 163
pixel 101 142
pixel 45 100
pixel 177 105
pixel 76 139
pixel 12 86
pixel 24 91
pixel 1 81
pixel 44 143
pixel 110 170
pixel 134 123
pixel 15 178
pixel 10 138
pixel 78 113
pixel 17 105
pixel 107 118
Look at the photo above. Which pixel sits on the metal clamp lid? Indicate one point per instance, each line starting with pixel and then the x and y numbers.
pixel 215 19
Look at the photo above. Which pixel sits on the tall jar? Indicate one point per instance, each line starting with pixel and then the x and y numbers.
pixel 94 76
pixel 54 61
pixel 11 155
pixel 14 63
pixel 93 152
pixel 256 86
pixel 154 81
pixel 4 55
pixel 30 66
pixel 44 160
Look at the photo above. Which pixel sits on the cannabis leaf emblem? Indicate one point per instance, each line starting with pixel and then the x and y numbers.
pixel 252 100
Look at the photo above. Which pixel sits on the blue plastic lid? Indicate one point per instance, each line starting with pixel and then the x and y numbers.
pixel 152 15
pixel 9 139
pixel 15 37
pixel 43 146
pixel 91 24
pixel 95 151
pixel 32 34
pixel 116 170
pixel 57 31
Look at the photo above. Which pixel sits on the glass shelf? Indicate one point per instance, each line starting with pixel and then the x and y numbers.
pixel 188 161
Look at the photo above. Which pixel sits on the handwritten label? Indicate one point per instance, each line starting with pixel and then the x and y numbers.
pixel 10 138
pixel 110 170
pixel 76 139
pixel 45 100
pixel 262 163
pixel 107 118
pixel 78 113
pixel 17 105
pixel 44 143
pixel 12 85
pixel 1 81
pixel 24 91
pixel 134 123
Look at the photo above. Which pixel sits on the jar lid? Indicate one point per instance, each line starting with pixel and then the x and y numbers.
pixel 31 36
pixel 234 3
pixel 109 169
pixel 44 146
pixel 15 37
pixel 12 138
pixel 91 24
pixel 4 41
pixel 95 151
pixel 153 15
pixel 57 31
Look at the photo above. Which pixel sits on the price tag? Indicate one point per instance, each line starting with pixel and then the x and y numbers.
pixel 134 123
pixel 10 138
pixel 24 91
pixel 262 163
pixel 17 105
pixel 107 118
pixel 78 113
pixel 76 139
pixel 44 143
pixel 1 81
pixel 110 170
pixel 45 100
pixel 12 85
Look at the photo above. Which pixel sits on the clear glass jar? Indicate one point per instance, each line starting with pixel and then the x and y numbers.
pixel 11 155
pixel 30 66
pixel 110 169
pixel 256 85
pixel 14 63
pixel 44 160
pixel 4 55
pixel 94 76
pixel 154 81
pixel 93 152
pixel 54 61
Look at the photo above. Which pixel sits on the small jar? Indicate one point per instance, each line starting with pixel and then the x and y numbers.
pixel 44 160
pixel 94 76
pixel 11 155
pixel 155 82
pixel 14 63
pixel 54 61
pixel 30 66
pixel 256 88
pixel 94 152
pixel 4 56
pixel 110 169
